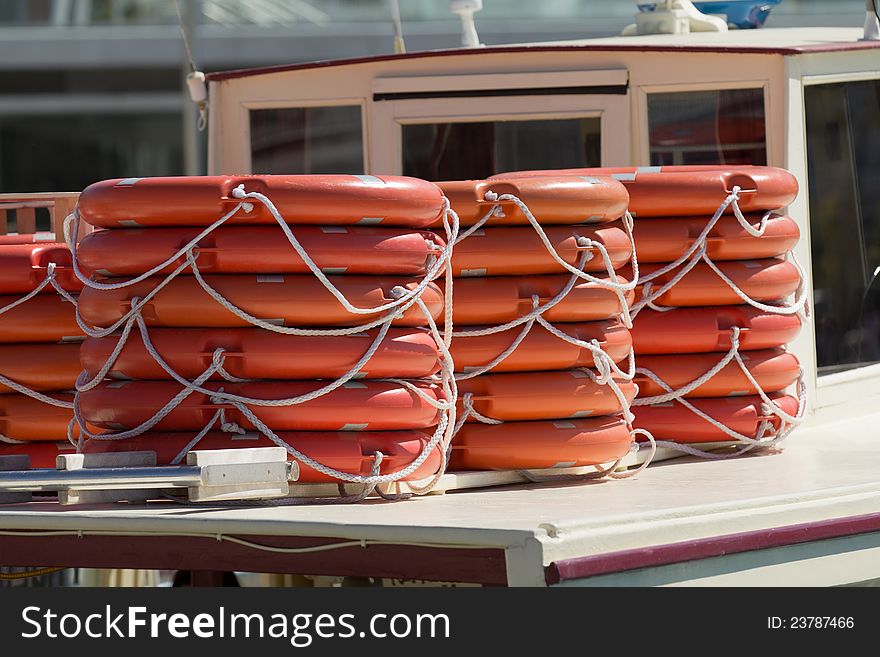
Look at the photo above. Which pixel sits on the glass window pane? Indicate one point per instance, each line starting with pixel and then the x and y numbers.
pixel 463 151
pixel 68 152
pixel 707 127
pixel 298 140
pixel 843 149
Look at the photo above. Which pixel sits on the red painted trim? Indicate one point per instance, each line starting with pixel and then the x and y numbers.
pixel 482 566
pixel 331 63
pixel 661 555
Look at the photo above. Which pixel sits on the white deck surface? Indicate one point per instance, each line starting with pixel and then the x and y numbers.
pixel 823 473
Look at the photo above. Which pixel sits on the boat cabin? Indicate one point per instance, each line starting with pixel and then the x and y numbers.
pixel 807 100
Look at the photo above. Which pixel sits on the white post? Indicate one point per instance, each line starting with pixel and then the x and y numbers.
pixel 872 21
pixel 466 10
pixel 192 157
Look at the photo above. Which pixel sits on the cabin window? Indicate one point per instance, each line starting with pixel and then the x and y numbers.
pixel 843 151
pixel 294 140
pixel 707 127
pixel 465 151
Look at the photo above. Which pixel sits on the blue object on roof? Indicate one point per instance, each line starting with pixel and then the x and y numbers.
pixel 743 14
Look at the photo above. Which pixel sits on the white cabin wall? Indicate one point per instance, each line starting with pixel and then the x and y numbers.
pixel 649 71
pixel 794 131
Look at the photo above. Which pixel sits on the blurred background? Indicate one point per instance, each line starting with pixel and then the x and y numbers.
pixel 91 89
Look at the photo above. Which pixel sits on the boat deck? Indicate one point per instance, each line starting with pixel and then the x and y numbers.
pixel 817 499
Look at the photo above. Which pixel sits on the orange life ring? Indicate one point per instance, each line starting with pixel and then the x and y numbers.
pixel 42 455
pixel 44 318
pixel 551 199
pixel 537 445
pixel 312 199
pixel 495 300
pixel 24 266
pixel 770 279
pixel 346 451
pixel 252 353
pixel 518 251
pixel 701 330
pixel 518 396
pixel 773 369
pixel 288 300
pixel 540 349
pixel 356 406
pixel 43 367
pixel 672 421
pixel 672 191
pixel 28 419
pixel 665 240
pixel 262 250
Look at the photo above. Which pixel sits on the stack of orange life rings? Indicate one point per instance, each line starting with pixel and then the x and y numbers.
pixel 712 314
pixel 258 310
pixel 538 307
pixel 39 347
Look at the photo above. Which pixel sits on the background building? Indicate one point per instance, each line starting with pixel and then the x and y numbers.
pixel 91 89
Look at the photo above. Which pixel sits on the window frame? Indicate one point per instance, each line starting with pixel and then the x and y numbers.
pixel 390 117
pixel 835 388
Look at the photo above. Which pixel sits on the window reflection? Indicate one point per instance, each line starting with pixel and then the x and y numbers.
pixel 707 127
pixel 843 148
pixel 299 140
pixel 467 151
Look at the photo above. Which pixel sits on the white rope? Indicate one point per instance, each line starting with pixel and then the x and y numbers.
pixel 537 310
pixel 15 385
pixel 39 396
pixel 610 471
pixel 11 441
pixel 696 383
pixel 620 289
pixel 527 327
pixel 583 242
pixel 698 252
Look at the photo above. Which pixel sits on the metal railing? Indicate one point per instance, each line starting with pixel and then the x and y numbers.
pixel 18 212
